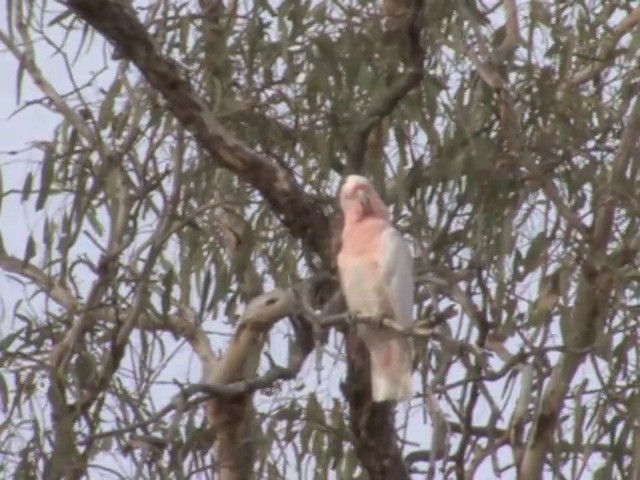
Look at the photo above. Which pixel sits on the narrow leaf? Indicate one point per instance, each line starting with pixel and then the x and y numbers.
pixel 105 115
pixel 1 190
pixel 26 187
pixel 60 18
pixel 204 294
pixel 29 251
pixel 46 176
pixel 4 395
pixel 19 79
pixel 167 283
pixel 535 253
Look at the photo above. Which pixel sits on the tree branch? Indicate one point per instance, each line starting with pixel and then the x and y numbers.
pixel 608 53
pixel 49 285
pixel 488 69
pixel 383 106
pixel 233 419
pixel 183 400
pixel 512 34
pixel 590 309
pixel 298 213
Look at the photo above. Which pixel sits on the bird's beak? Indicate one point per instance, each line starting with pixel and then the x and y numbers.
pixel 365 202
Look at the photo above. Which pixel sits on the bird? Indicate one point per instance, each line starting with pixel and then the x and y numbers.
pixel 375 268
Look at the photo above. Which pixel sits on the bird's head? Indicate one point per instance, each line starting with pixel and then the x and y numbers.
pixel 358 198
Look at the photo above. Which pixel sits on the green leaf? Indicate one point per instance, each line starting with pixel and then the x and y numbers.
pixel 25 467
pixel 579 415
pixel 319 12
pixel 603 473
pixel 26 187
pixel 366 78
pixel 1 190
pixel 84 369
pixel 92 216
pixel 6 342
pixel 540 13
pixel 10 18
pixel 349 464
pixel 106 444
pixel 305 436
pixel 167 283
pixel 317 444
pixel 19 80
pixel 46 234
pixel 603 345
pixel 535 253
pixel 325 47
pixel 335 448
pixel 272 472
pixel 46 176
pixel 59 18
pixel 29 251
pixel 204 294
pixel 4 395
pixel 105 114
pixel 185 24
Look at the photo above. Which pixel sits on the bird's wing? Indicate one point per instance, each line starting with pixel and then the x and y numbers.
pixel 396 263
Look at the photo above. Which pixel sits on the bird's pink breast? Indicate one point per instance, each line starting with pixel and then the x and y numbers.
pixel 359 265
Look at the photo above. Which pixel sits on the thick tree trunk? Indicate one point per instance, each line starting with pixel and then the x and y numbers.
pixel 372 424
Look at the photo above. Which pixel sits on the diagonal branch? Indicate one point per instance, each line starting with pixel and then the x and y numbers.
pixel 58 293
pixel 298 213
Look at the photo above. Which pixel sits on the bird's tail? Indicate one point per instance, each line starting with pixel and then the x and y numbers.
pixel 391 367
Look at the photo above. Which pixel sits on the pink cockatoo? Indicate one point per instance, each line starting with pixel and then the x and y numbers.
pixel 376 274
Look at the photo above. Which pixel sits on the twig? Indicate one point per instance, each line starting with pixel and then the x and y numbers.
pixel 26 57
pixel 608 53
pixel 182 401
pixel 58 293
pixel 298 213
pixel 512 34
pixel 377 111
pixel 417 330
pixel 383 106
pixel 591 306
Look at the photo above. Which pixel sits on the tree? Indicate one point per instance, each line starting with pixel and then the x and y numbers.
pixel 188 192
